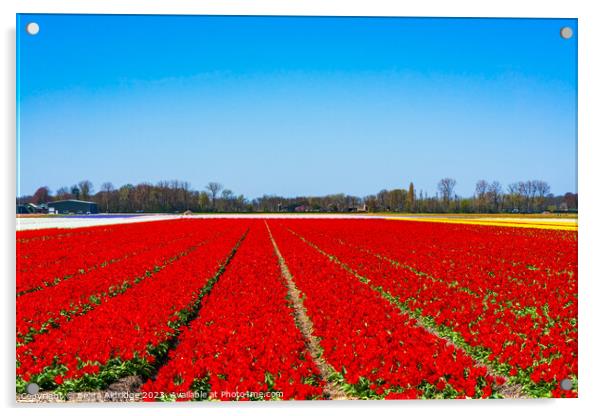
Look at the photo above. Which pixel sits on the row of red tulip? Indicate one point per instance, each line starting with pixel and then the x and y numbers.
pixel 125 334
pixel 57 244
pixel 47 262
pixel 529 329
pixel 244 344
pixel 380 295
pixel 46 234
pixel 48 308
pixel 380 351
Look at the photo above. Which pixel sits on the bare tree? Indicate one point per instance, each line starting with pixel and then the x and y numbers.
pixel 226 200
pixel 107 189
pixel 85 188
pixel 446 187
pixel 570 200
pixel 63 193
pixel 185 191
pixel 125 196
pixel 381 197
pixel 514 196
pixel 540 189
pixel 527 192
pixel 480 195
pixel 213 188
pixel 494 195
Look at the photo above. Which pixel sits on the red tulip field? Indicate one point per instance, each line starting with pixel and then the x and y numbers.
pixel 303 309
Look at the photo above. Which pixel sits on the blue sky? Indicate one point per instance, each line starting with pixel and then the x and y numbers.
pixel 296 105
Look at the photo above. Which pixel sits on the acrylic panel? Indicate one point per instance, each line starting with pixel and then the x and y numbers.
pixel 276 208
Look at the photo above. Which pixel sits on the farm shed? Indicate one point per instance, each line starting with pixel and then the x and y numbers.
pixel 74 206
pixel 30 208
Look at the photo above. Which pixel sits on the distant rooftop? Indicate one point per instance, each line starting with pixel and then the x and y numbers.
pixel 72 200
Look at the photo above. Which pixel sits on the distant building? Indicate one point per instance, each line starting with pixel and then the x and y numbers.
pixel 37 209
pixel 74 206
pixel 31 208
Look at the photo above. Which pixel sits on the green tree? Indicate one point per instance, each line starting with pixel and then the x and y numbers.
pixel 204 201
pixel 85 188
pixel 411 198
pixel 75 191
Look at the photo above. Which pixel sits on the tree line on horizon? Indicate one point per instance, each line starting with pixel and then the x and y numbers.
pixel 178 196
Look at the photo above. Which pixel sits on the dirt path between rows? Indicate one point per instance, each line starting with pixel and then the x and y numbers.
pixel 305 325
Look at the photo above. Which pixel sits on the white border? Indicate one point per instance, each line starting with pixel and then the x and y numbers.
pixel 590 135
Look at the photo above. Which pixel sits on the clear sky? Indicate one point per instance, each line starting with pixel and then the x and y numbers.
pixel 296 105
